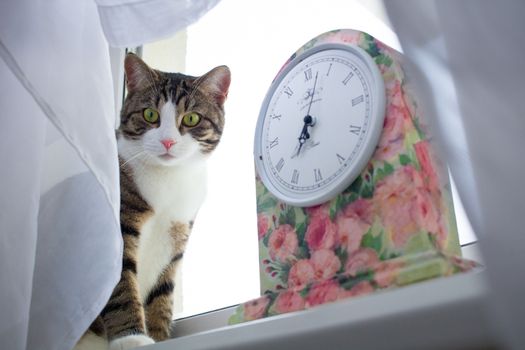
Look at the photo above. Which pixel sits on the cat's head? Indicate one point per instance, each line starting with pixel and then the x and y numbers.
pixel 170 118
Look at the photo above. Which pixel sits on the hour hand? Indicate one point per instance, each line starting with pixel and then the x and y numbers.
pixel 302 138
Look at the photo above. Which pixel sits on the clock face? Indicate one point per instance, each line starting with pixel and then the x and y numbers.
pixel 319 124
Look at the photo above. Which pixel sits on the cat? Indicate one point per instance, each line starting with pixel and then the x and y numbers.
pixel 170 124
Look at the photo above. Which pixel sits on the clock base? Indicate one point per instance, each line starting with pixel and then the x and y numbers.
pixel 354 282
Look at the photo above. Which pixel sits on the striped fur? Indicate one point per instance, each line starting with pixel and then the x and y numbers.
pixel 161 192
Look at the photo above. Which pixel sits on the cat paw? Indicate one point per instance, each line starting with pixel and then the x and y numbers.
pixel 130 342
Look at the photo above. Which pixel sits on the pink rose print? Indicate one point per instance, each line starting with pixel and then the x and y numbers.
pixel 283 243
pixel 322 293
pixel 406 205
pixel 262 225
pixel 392 136
pixel 343 36
pixel 301 273
pixel 255 309
pixel 395 95
pixel 350 231
pixel 289 301
pixel 352 224
pixel 361 208
pixel 321 231
pixel 325 264
pixel 425 161
pixel 426 211
pixel 386 273
pixel 394 199
pixel 362 288
pixel 318 210
pixel 363 259
pixel 428 215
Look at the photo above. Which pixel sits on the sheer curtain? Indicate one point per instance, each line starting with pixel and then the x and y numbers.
pixel 60 244
pixel 468 58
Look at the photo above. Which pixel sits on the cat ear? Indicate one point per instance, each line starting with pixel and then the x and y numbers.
pixel 216 83
pixel 138 74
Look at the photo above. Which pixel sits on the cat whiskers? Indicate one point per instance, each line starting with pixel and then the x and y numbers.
pixel 135 156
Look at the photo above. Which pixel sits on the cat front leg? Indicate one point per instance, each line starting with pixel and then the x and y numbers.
pixel 159 303
pixel 123 316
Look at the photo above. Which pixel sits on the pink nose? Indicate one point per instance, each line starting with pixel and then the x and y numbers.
pixel 168 143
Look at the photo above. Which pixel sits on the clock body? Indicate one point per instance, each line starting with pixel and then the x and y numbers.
pixel 319 124
pixel 351 195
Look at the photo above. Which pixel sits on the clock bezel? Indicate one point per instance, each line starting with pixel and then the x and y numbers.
pixel 377 114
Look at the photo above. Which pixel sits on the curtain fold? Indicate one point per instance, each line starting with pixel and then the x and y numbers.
pixel 60 242
pixel 467 55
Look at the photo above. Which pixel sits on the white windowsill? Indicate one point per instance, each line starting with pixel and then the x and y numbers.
pixel 446 313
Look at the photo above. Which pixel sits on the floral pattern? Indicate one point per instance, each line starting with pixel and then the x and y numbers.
pixel 393 226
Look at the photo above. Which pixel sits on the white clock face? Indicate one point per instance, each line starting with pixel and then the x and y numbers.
pixel 319 124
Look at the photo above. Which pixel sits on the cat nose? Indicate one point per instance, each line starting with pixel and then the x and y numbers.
pixel 167 143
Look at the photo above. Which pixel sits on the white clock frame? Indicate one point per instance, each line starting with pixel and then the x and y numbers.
pixel 365 148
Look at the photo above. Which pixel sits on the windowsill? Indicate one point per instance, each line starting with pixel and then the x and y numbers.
pixel 438 314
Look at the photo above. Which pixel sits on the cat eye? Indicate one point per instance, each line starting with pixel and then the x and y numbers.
pixel 191 119
pixel 150 115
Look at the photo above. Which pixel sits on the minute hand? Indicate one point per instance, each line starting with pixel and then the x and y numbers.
pixel 308 120
pixel 312 97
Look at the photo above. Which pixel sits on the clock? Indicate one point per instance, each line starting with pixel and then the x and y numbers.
pixel 319 123
pixel 325 135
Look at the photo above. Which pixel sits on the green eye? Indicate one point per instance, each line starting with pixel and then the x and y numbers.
pixel 151 115
pixel 191 119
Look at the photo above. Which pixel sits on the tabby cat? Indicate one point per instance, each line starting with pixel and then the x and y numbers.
pixel 170 123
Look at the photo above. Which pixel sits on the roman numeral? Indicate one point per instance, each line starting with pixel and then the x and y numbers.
pixel 348 77
pixel 295 177
pixel 274 142
pixel 357 100
pixel 280 164
pixel 329 69
pixel 355 130
pixel 277 116
pixel 288 91
pixel 340 158
pixel 308 74
pixel 317 175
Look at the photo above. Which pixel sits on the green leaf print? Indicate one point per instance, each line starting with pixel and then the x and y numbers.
pixel 384 60
pixel 266 238
pixel 342 254
pixel 349 282
pixel 367 191
pixel 381 173
pixel 304 293
pixel 371 241
pixel 266 204
pixel 237 317
pixel 300 229
pixel 374 51
pixel 355 187
pixel 404 159
pixel 287 216
pixel 418 243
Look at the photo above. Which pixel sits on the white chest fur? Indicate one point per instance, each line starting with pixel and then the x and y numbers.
pixel 175 194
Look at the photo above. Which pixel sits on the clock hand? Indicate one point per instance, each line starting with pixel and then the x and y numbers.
pixel 308 121
pixel 312 97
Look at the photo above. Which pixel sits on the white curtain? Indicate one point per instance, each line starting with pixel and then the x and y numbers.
pixel 468 57
pixel 60 243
